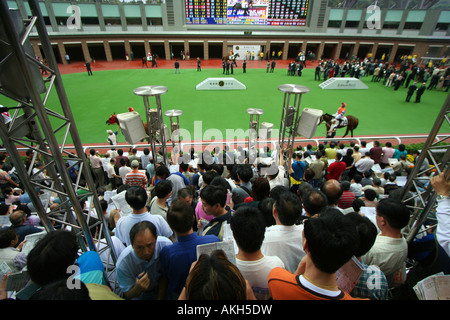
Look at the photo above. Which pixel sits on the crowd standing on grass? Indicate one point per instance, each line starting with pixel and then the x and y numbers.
pixel 295 218
pixel 405 73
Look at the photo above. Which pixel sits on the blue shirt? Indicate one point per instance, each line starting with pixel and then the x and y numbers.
pixel 299 170
pixel 125 224
pixel 129 266
pixel 177 258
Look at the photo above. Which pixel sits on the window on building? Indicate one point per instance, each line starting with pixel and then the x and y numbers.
pixel 391 25
pixel 351 24
pixel 413 25
pixel 334 24
pixel 442 26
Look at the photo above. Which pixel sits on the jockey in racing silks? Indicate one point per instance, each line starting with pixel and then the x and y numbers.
pixel 339 116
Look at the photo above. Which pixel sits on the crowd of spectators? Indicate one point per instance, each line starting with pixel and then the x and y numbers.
pixel 294 217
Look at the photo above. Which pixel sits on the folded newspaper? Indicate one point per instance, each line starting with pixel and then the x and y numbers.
pixel 435 287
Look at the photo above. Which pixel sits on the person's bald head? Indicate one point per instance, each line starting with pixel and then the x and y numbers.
pixel 333 190
pixel 17 217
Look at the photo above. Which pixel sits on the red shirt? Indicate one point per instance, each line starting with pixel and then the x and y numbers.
pixel 336 169
pixel 346 199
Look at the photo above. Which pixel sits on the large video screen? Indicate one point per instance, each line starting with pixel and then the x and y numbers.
pixel 256 12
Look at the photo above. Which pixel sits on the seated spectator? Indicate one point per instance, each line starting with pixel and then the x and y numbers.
pixel 6 179
pixel 177 259
pixel 367 179
pixel 331 151
pixel 402 167
pixel 10 250
pixel 159 205
pixel 330 241
pixel 11 195
pixel 333 191
pixel 138 267
pixel 370 198
pixel 214 277
pixel 425 165
pixel 401 150
pixel 336 169
pixel 356 186
pixel 314 201
pixel 248 229
pixel 347 197
pixel 136 197
pixel 375 152
pixel 18 219
pixel 48 261
pixel 364 164
pixel 365 287
pixel 391 184
pixel 390 249
pixel 357 204
pixel 284 239
pixel 376 186
pixel 388 152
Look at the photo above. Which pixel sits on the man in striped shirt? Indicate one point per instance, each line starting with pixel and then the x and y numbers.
pixel 136 177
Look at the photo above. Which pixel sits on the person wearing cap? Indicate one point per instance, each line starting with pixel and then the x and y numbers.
pixel 136 177
pixel 339 116
pixel 112 137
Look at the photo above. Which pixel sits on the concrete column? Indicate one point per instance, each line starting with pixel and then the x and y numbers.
pixel 108 51
pixel 320 51
pixel 355 50
pixel 127 48
pixel 205 50
pixel 167 50
pixel 337 52
pixel 62 52
pixel 84 47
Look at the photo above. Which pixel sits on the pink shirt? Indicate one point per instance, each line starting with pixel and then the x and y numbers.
pixel 387 153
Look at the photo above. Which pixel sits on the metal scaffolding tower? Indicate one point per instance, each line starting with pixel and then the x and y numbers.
pixel 46 130
pixel 422 200
pixel 175 135
pixel 155 123
pixel 253 133
pixel 291 113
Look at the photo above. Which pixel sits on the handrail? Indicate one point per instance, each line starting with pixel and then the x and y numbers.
pixel 274 141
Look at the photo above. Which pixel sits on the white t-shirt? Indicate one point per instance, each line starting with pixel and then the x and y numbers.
pixel 257 274
pixel 279 179
pixel 285 242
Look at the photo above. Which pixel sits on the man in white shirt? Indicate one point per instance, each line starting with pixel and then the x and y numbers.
pixel 364 164
pixel 390 249
pixel 248 232
pixel 114 178
pixel 137 197
pixel 284 239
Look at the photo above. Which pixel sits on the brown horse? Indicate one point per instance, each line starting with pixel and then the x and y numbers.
pixel 352 123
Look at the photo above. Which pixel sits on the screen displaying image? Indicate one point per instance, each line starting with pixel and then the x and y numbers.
pixel 252 12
